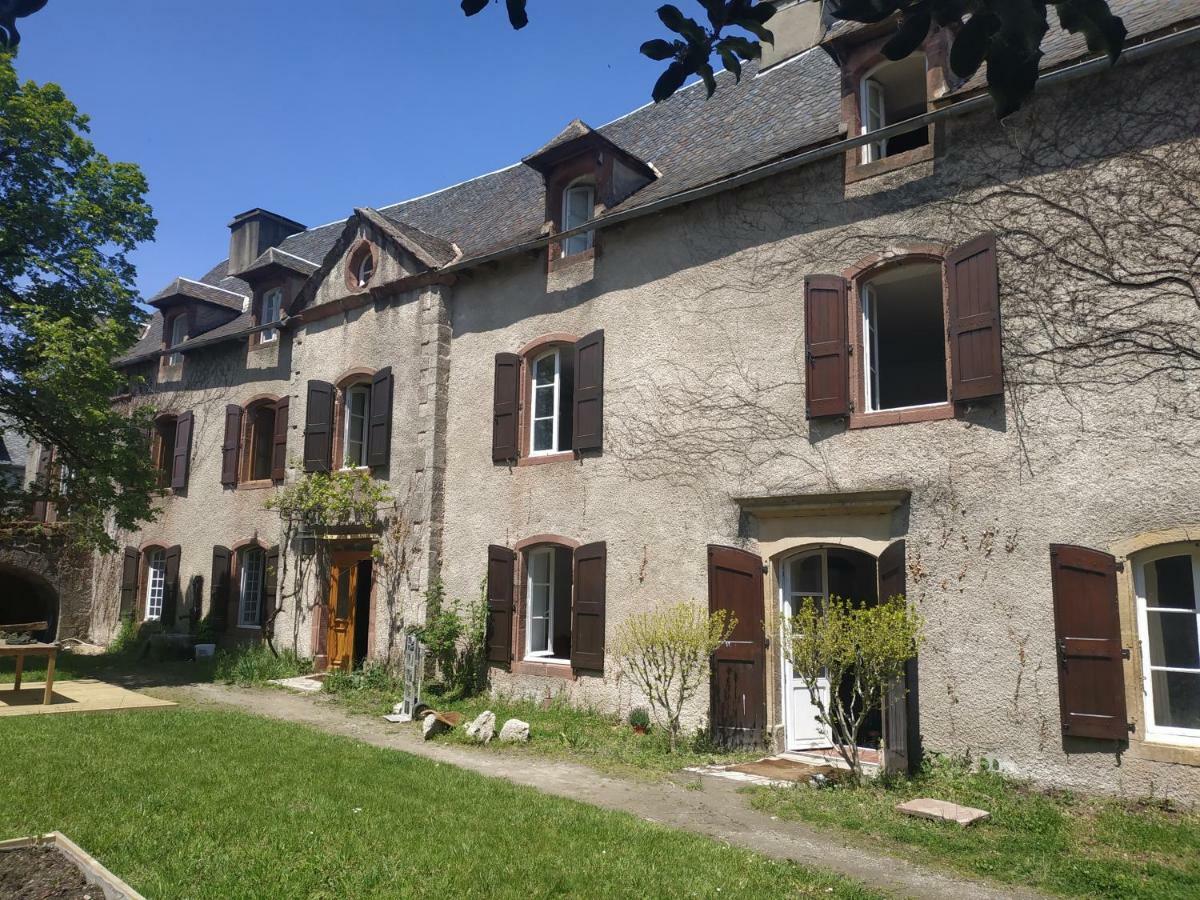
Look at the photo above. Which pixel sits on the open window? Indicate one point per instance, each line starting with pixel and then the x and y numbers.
pixel 360 266
pixel 578 208
pixel 163 452
pixel 252 578
pixel 156 579
pixel 356 409
pixel 548 586
pixel 259 440
pixel 904 339
pixel 1167 585
pixel 176 331
pixel 892 93
pixel 551 388
pixel 272 306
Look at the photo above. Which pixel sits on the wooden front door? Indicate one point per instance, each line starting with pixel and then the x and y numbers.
pixel 343 590
pixel 739 669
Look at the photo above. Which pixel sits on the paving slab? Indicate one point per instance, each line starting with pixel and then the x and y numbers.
pixel 943 811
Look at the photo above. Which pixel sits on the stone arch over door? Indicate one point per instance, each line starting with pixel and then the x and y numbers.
pixel 27 596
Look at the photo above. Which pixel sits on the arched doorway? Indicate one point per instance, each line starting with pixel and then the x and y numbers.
pixel 26 596
pixel 821 573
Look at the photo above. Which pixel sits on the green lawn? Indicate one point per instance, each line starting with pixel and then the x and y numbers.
pixel 195 803
pixel 1059 842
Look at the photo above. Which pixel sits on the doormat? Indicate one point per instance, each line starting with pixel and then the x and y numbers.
pixel 781 769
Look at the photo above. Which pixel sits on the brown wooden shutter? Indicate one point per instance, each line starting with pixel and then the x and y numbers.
pixel 587 614
pixel 318 427
pixel 379 429
pixel 901 723
pixel 500 577
pixel 738 712
pixel 976 367
pixel 827 346
pixel 1091 676
pixel 270 586
pixel 183 452
pixel 219 587
pixel 505 403
pixel 232 445
pixel 130 567
pixel 170 586
pixel 279 441
pixel 588 432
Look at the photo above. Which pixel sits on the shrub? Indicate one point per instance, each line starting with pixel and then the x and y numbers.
pixel 124 640
pixel 665 651
pixel 639 717
pixel 255 664
pixel 453 635
pixel 841 642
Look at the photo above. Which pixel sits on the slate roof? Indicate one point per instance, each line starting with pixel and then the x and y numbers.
pixel 198 290
pixel 273 256
pixel 690 140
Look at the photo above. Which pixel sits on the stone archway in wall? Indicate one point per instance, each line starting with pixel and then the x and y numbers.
pixel 26 596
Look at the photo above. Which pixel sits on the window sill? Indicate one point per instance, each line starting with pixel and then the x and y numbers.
pixel 902 416
pixel 563 262
pixel 544 669
pixel 545 458
pixel 1161 749
pixel 859 171
pixel 256 485
pixel 263 345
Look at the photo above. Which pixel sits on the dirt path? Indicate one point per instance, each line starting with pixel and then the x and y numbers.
pixel 717 810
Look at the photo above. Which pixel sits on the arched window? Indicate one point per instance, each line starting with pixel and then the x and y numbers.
pixel 550 389
pixel 272 306
pixel 355 416
pixel 579 204
pixel 1167 585
pixel 163 451
pixel 904 362
pixel 360 267
pixel 156 583
pixel 176 331
pixel 891 93
pixel 252 575
pixel 259 440
pixel 548 586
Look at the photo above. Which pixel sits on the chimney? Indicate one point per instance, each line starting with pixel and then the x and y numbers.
pixel 251 233
pixel 796 26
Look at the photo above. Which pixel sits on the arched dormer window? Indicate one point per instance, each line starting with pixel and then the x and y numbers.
pixel 578 208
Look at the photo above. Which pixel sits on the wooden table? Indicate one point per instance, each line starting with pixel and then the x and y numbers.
pixel 20 651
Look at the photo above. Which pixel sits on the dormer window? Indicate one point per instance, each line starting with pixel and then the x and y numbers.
pixel 272 305
pixel 579 204
pixel 892 93
pixel 176 335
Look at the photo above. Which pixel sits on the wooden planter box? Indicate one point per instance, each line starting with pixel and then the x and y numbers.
pixel 94 873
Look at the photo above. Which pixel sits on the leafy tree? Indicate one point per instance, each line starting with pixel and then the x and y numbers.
pixel 855 649
pixel 68 219
pixel 1006 34
pixel 665 651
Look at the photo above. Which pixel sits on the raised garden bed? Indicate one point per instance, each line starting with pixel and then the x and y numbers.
pixel 53 867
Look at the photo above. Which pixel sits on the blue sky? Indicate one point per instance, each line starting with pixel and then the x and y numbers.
pixel 310 108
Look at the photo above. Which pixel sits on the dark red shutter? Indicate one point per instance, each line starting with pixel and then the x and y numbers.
pixel 183 452
pixel 219 590
pixel 279 441
pixel 232 445
pixel 505 403
pixel 500 577
pixel 318 427
pixel 41 484
pixel 170 586
pixel 587 615
pixel 270 586
pixel 589 392
pixel 739 667
pixel 379 430
pixel 827 346
pixel 1091 675
pixel 130 566
pixel 973 290
pixel 901 720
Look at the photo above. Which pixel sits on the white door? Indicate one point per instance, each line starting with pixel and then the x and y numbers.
pixel 802 576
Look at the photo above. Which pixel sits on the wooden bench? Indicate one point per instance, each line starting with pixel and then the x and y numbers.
pixel 20 651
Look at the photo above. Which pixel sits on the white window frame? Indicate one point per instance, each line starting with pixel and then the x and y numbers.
pixel 174 340
pixel 272 305
pixel 156 584
pixel 873 113
pixel 870 348
pixel 250 593
pixel 579 243
pixel 1163 733
pixel 551 555
pixel 353 391
pixel 555 387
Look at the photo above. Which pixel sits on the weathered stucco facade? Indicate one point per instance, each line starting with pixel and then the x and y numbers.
pixel 1092 196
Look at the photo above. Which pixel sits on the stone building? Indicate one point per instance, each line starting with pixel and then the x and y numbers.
pixel 732 351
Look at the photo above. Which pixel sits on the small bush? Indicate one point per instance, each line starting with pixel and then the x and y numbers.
pixel 639 717
pixel 125 639
pixel 256 664
pixel 453 636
